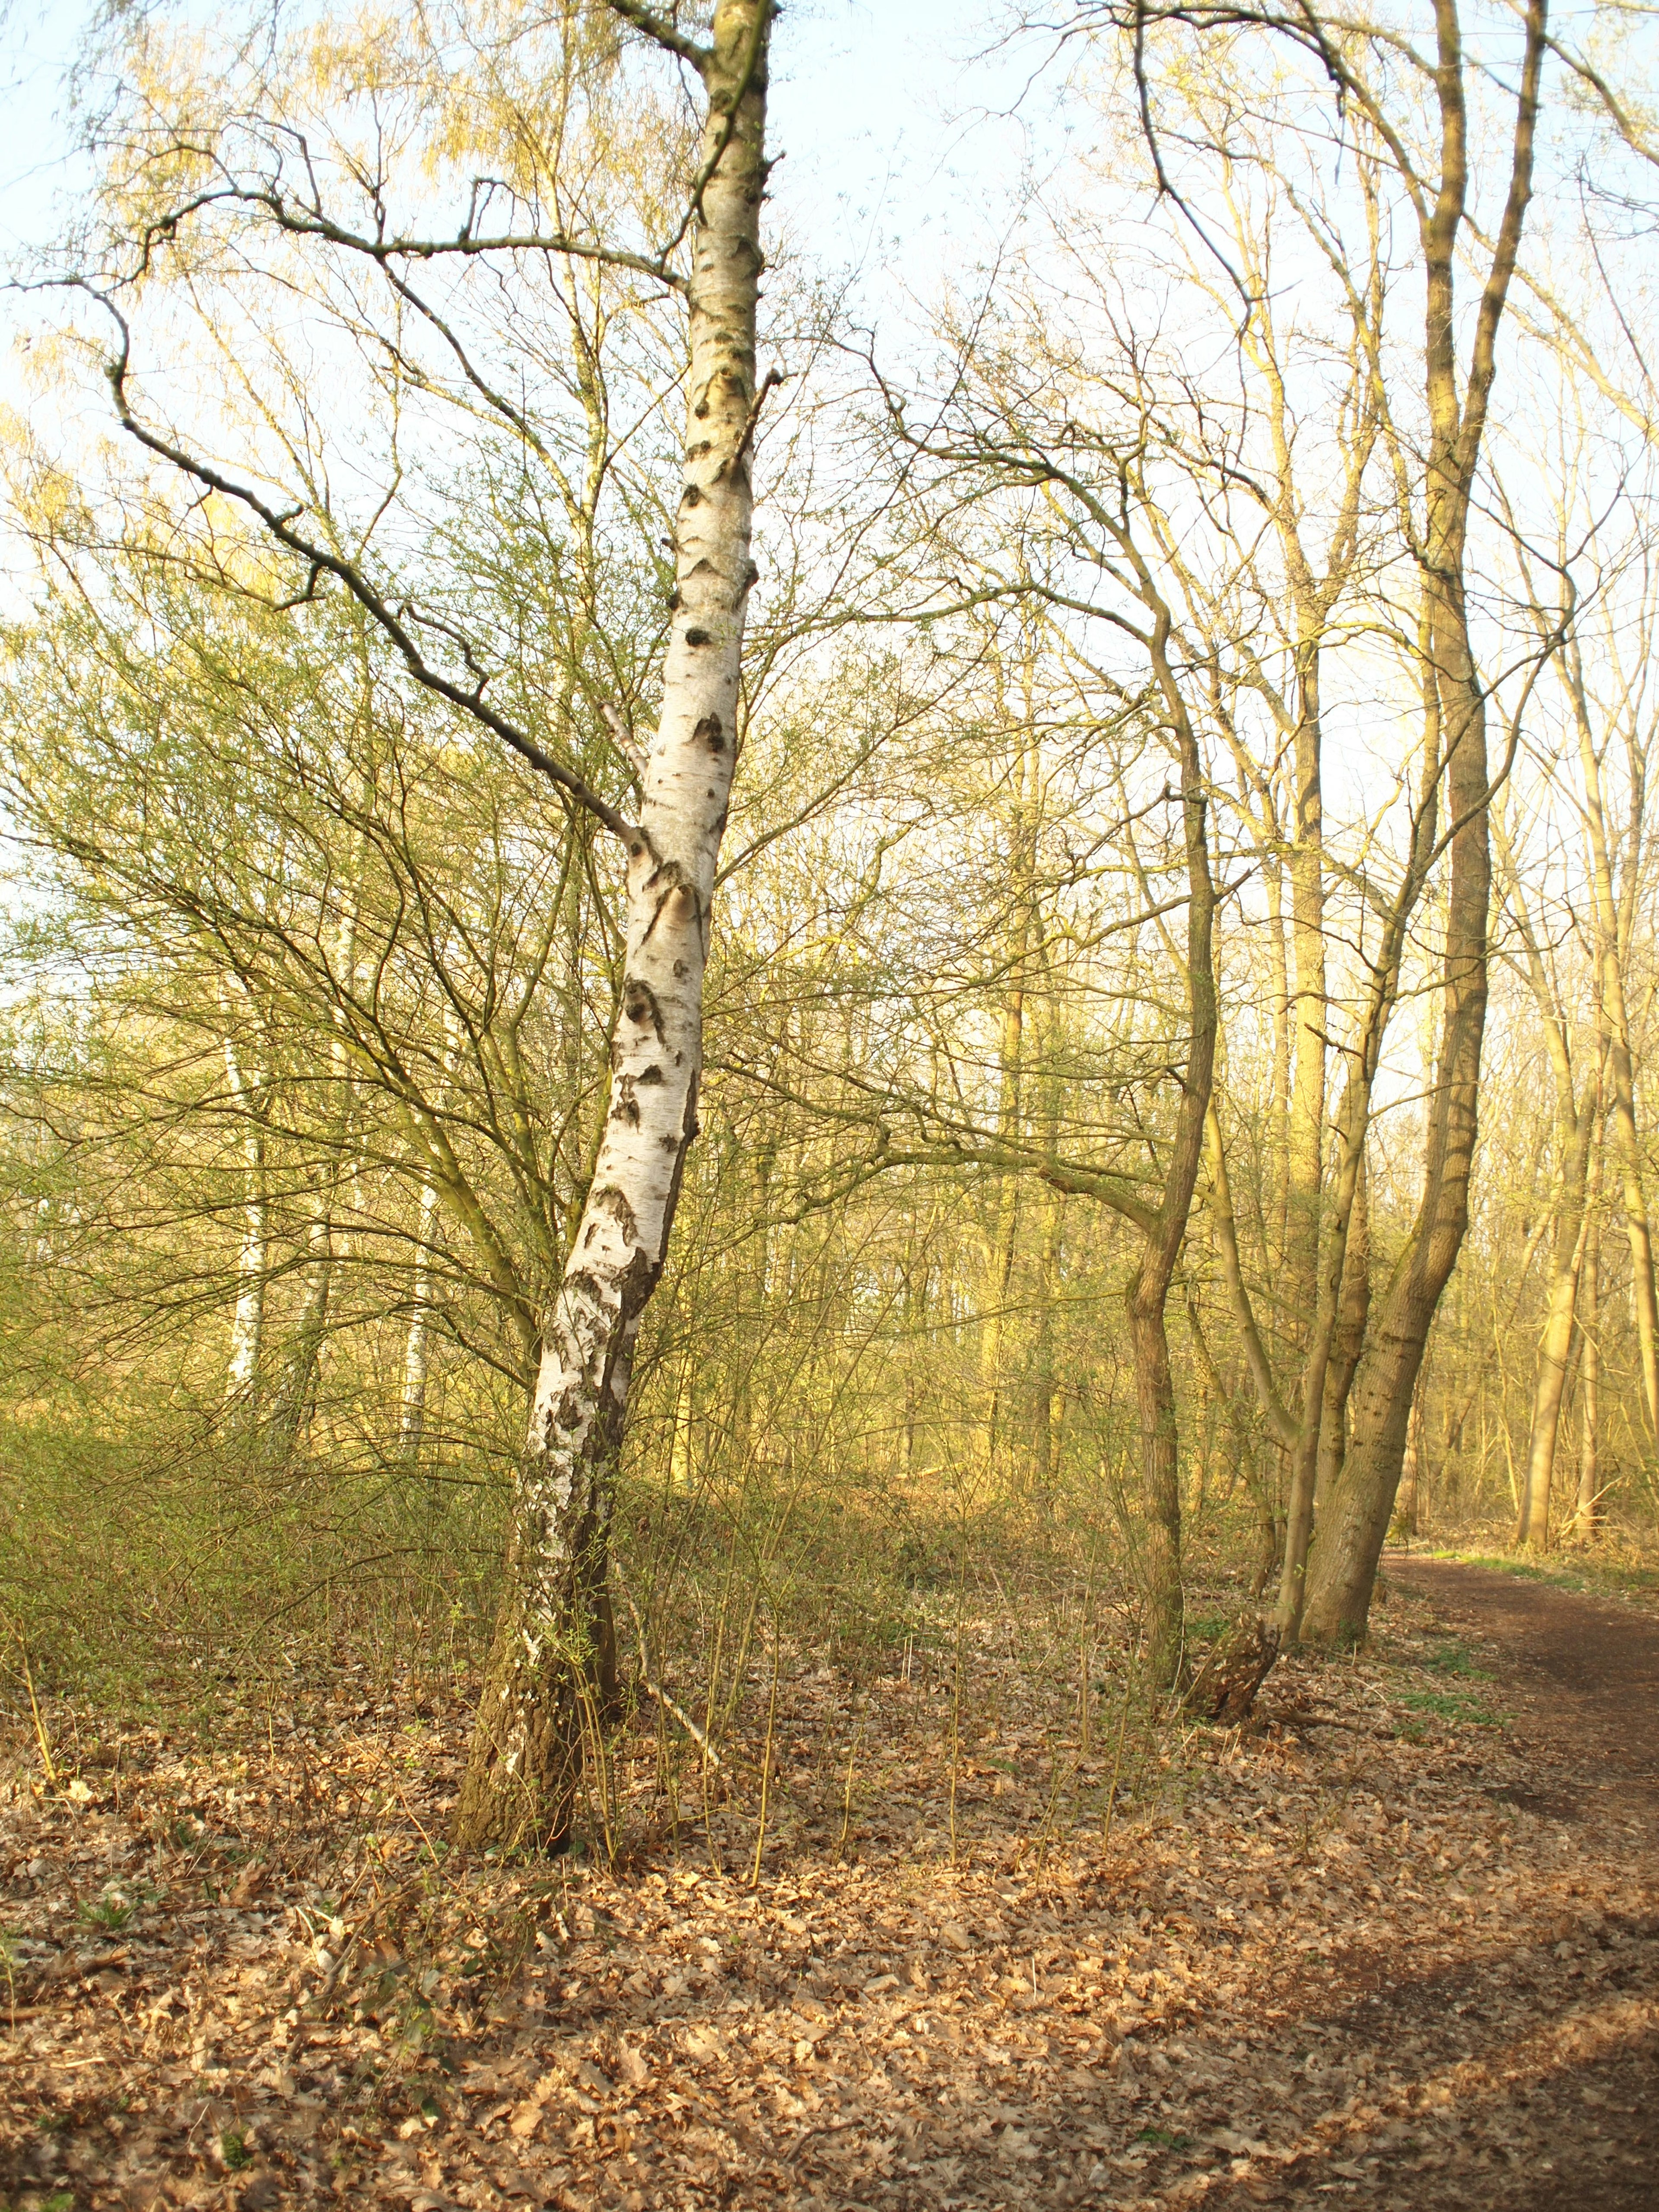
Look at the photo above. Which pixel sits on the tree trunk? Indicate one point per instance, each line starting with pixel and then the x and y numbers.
pixel 1164 1233
pixel 1307 1130
pixel 1613 1013
pixel 253 1261
pixel 1587 1518
pixel 549 1673
pixel 1160 1476
pixel 1045 1426
pixel 1349 1342
pixel 417 1350
pixel 1344 1563
pixel 1572 1224
pixel 297 1388
pixel 1411 1472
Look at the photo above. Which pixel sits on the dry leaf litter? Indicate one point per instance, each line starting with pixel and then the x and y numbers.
pixel 1302 1964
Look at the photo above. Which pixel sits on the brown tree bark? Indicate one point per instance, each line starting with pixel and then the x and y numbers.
pixel 1344 1563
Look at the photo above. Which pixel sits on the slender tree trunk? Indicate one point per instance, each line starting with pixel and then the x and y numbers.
pixel 296 1388
pixel 1411 1471
pixel 1344 1563
pixel 1045 1428
pixel 1349 1342
pixel 1307 1130
pixel 418 1349
pixel 253 1259
pixel 1279 1143
pixel 1555 1349
pixel 1587 1515
pixel 1147 1293
pixel 679 1446
pixel 1614 1010
pixel 549 1668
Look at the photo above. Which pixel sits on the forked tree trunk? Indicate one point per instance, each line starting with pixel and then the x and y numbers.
pixel 1344 1564
pixel 549 1670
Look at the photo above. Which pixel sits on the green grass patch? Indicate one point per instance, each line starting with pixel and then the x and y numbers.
pixel 1584 1571
pixel 1447 1705
pixel 1454 1658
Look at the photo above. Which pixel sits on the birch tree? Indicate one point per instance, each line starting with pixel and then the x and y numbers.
pixel 193 163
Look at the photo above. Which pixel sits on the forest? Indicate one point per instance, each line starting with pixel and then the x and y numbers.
pixel 746 957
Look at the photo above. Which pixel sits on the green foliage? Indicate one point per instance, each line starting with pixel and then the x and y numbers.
pixel 111 1911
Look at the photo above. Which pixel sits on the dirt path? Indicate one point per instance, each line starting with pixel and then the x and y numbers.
pixel 1555 2045
pixel 1581 1673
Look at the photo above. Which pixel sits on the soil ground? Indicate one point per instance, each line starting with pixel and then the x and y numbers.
pixel 1395 1946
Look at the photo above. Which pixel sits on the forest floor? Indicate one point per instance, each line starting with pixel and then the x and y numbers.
pixel 1397 1946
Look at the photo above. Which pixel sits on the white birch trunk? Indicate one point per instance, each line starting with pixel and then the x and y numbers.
pixel 418 1349
pixel 418 1346
pixel 248 1320
pixel 551 1667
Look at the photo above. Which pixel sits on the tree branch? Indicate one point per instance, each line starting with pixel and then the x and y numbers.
pixel 320 561
pixel 662 33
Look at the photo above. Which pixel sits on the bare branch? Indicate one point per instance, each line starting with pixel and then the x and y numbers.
pixel 320 561
pixel 661 33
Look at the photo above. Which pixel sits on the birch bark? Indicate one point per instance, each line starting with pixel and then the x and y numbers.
pixel 253 1260
pixel 551 1665
pixel 417 1348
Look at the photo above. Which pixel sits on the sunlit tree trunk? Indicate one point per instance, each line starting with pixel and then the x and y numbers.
pixel 1411 1471
pixel 1613 1008
pixel 1344 1563
pixel 1588 1514
pixel 551 1662
pixel 1146 1296
pixel 1349 1342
